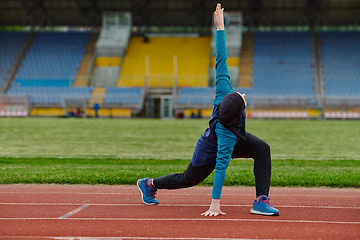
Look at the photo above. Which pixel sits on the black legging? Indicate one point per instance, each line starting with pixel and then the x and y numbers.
pixel 251 147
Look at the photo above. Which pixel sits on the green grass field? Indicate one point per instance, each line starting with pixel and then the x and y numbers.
pixel 119 151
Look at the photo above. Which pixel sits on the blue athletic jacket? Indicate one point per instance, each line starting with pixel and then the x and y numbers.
pixel 217 142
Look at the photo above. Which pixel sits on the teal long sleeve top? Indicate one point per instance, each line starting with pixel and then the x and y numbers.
pixel 226 139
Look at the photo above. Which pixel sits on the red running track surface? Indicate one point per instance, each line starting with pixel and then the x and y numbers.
pixel 116 212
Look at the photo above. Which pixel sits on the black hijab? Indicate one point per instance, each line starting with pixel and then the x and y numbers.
pixel 230 114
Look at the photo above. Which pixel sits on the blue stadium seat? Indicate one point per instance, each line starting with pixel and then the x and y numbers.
pixel 10 44
pixel 125 95
pixel 282 64
pixel 195 95
pixel 49 68
pixel 341 61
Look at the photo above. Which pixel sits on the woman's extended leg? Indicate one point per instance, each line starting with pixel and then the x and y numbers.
pixel 190 177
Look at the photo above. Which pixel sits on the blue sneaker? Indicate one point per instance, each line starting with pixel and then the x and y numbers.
pixel 263 206
pixel 147 193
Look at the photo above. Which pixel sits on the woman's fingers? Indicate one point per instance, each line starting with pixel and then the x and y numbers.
pixel 211 213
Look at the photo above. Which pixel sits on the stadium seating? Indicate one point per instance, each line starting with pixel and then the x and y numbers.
pixel 108 61
pixel 192 96
pixel 42 83
pixel 10 45
pixel 51 95
pixel 49 68
pixel 282 64
pixel 187 97
pixel 82 77
pixel 124 96
pixel 54 55
pixel 341 63
pixel 192 53
pixel 246 61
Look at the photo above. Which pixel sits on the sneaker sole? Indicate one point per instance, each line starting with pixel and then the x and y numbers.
pixel 142 195
pixel 262 213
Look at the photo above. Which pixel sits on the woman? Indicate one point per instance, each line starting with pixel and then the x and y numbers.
pixel 223 139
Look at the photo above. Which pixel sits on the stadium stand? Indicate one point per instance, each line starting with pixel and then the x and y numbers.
pixel 111 48
pixel 10 45
pixel 246 57
pixel 282 64
pixel 278 71
pixel 54 55
pixel 49 68
pixel 190 97
pixel 126 97
pixel 192 53
pixel 341 74
pixel 83 73
pixel 115 35
pixel 97 96
pixel 341 63
pixel 106 71
pixel 282 75
pixel 108 61
pixel 48 96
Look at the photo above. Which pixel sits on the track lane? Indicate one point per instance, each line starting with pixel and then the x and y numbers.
pixel 176 228
pixel 323 213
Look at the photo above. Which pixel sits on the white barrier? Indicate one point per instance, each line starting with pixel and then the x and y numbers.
pixel 279 114
pixel 342 115
pixel 13 113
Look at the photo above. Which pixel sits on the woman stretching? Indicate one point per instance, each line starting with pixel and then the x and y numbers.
pixel 225 138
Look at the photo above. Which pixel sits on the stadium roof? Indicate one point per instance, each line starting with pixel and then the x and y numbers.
pixel 178 12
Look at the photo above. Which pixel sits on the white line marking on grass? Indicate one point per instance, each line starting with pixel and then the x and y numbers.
pixel 75 211
pixel 172 205
pixel 180 158
pixel 185 219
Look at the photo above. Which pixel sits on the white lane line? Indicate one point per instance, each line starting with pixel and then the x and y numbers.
pixel 75 211
pixel 171 205
pixel 192 194
pixel 139 238
pixel 182 238
pixel 186 219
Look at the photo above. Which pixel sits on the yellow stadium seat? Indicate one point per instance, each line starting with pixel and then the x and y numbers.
pixel 205 113
pixel 102 61
pixel 192 62
pixel 115 61
pixel 231 61
pixel 313 113
pixel 121 112
pixel 47 112
pixel 112 112
pixel 104 112
pixel 108 61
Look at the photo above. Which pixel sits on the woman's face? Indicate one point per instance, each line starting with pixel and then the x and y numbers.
pixel 243 96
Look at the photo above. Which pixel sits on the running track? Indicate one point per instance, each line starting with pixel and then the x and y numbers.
pixel 29 212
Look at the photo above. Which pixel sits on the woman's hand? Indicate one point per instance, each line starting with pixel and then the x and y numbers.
pixel 214 209
pixel 219 17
